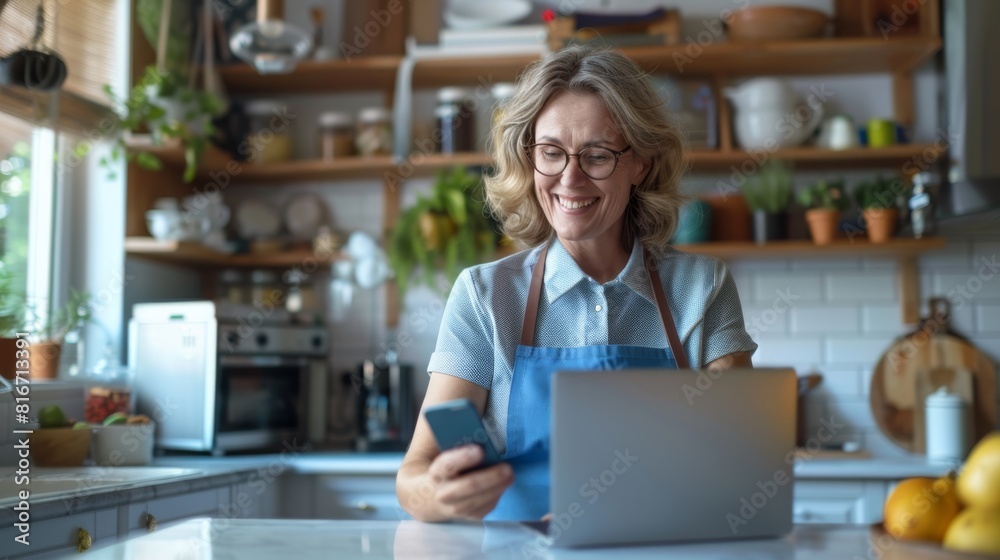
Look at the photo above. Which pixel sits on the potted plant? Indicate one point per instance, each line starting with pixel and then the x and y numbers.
pixel 767 194
pixel 446 231
pixel 164 104
pixel 877 201
pixel 824 202
pixel 47 333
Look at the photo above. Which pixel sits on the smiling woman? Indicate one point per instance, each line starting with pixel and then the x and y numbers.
pixel 600 288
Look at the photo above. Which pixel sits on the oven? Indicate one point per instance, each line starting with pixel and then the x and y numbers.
pixel 224 386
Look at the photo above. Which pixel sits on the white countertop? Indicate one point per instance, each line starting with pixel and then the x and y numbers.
pixel 250 539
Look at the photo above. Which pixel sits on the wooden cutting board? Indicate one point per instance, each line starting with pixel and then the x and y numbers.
pixel 933 347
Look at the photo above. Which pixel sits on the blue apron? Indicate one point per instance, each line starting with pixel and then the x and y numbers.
pixel 528 410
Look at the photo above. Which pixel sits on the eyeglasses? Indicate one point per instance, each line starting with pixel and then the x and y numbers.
pixel 595 162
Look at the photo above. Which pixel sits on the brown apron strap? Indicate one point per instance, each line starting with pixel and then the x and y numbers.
pixel 668 320
pixel 534 292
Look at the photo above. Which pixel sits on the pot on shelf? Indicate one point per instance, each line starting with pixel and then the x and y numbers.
pixel 880 223
pixel 770 114
pixel 769 226
pixel 823 223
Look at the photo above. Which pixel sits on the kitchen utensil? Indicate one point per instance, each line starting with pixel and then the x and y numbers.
pixel 837 133
pixel 475 14
pixel 304 214
pixel 760 23
pixel 769 114
pixel 958 382
pixel 932 346
pixel 256 218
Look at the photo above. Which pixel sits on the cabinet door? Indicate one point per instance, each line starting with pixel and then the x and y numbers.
pixel 212 502
pixel 254 500
pixel 357 497
pixel 849 502
pixel 56 538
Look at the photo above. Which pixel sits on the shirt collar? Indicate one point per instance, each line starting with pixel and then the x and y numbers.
pixel 562 273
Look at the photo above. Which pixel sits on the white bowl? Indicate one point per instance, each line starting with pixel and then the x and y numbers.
pixel 477 14
pixel 123 444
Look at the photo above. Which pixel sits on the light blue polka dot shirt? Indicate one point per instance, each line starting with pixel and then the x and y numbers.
pixel 482 320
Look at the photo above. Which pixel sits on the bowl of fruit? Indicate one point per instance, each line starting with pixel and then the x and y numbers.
pixel 124 440
pixel 955 516
pixel 59 441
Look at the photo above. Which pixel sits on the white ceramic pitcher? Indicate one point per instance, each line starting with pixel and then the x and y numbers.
pixel 771 115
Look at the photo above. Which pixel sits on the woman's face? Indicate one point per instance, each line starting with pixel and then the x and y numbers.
pixel 578 207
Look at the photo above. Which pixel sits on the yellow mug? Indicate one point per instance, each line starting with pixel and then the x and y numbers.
pixel 881 132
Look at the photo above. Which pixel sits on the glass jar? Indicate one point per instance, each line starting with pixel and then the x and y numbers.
pixel 231 288
pixel 374 132
pixel 455 121
pixel 336 135
pixel 268 139
pixel 264 290
pixel 107 390
pixel 501 93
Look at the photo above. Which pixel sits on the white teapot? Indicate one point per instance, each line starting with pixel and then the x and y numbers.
pixel 770 115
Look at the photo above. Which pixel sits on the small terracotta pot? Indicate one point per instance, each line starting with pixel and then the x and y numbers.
pixel 44 360
pixel 823 224
pixel 880 223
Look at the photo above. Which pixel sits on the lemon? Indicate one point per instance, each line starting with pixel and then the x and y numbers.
pixel 979 483
pixel 52 416
pixel 975 530
pixel 922 508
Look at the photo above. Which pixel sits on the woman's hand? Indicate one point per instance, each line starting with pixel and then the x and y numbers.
pixel 466 495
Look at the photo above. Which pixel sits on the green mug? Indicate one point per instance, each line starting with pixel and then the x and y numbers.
pixel 881 133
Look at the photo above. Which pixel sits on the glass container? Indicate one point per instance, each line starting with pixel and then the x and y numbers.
pixel 374 132
pixel 455 121
pixel 268 139
pixel 335 135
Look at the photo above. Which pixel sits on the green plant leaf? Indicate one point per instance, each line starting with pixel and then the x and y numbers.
pixel 147 160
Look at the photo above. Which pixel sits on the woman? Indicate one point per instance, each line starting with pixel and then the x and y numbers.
pixel 589 164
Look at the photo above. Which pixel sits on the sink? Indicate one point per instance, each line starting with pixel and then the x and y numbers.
pixel 75 482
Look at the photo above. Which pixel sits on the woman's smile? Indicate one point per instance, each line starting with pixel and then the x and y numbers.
pixel 575 204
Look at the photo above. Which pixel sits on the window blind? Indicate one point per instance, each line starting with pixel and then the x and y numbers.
pixel 83 33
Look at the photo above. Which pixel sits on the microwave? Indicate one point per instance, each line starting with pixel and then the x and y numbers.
pixel 227 386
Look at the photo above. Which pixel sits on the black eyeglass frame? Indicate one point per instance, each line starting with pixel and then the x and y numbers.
pixel 530 150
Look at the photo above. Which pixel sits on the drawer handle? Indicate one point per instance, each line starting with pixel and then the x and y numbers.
pixel 364 506
pixel 150 523
pixel 83 540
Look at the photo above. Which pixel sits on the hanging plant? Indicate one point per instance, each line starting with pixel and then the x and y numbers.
pixel 444 232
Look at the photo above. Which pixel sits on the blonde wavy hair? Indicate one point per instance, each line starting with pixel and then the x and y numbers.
pixel 636 109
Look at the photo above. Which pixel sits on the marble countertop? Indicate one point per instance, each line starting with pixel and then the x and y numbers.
pixel 249 539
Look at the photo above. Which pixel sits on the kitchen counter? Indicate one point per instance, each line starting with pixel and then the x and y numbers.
pixel 249 539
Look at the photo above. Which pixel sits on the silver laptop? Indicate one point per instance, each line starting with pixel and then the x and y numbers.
pixel 644 456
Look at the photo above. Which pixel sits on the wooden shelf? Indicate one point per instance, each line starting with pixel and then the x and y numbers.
pixel 846 55
pixel 386 167
pixel 854 55
pixel 798 249
pixel 312 76
pixel 905 251
pixel 196 254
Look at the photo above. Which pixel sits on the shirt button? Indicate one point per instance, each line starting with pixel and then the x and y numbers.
pixel 597 308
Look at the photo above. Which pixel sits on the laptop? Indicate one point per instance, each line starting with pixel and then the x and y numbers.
pixel 654 456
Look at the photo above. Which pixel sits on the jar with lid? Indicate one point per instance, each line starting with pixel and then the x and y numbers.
pixel 501 93
pixel 231 288
pixel 268 138
pixel 336 135
pixel 455 121
pixel 374 132
pixel 264 290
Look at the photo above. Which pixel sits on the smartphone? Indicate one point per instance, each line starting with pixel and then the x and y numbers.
pixel 456 423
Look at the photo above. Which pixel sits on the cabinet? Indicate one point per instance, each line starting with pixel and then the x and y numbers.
pixel 857 502
pixel 58 537
pixel 357 497
pixel 717 62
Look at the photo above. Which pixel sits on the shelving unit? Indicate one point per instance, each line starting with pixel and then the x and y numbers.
pixel 424 165
pixel 197 255
pixel 719 63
